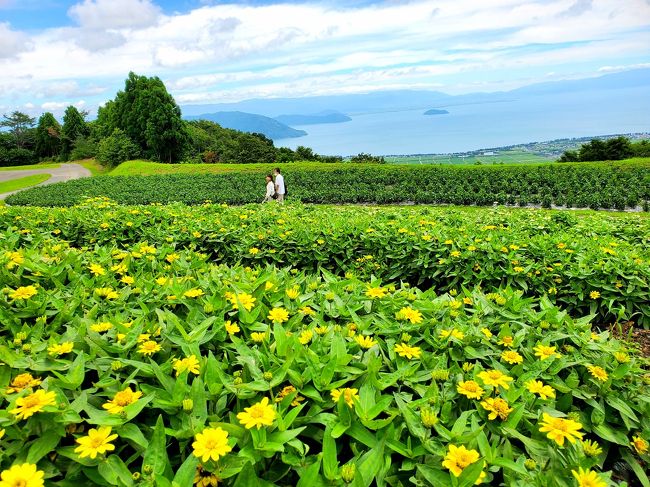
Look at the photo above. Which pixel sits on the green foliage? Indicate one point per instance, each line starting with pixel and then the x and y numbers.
pixel 48 136
pixel 84 148
pixel 17 157
pixel 74 126
pixel 575 185
pixel 115 149
pixel 402 415
pixel 19 125
pixel 614 149
pixel 529 250
pixel 363 158
pixel 149 116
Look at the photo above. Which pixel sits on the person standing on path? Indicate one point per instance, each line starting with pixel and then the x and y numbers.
pixel 270 189
pixel 280 190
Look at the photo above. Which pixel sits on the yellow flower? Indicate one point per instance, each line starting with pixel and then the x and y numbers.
pixel 258 415
pixel 497 407
pixel 639 444
pixel 2 433
pixel 487 333
pixel 545 351
pixel 366 342
pixel 410 314
pixel 96 443
pixel 405 350
pixel 268 286
pixel 161 281
pixel 598 372
pixel 172 257
pixel 506 341
pixel 121 400
pixel 101 327
pixel 15 259
pixel 33 403
pixel 307 311
pixel 305 336
pixel 190 364
pixel 22 382
pixel 470 389
pixel 538 387
pixel 127 280
pixel 453 333
pixel 60 348
pixel 211 443
pixel 558 429
pixel 193 293
pixel 258 337
pixel 25 475
pixel 106 292
pixel 246 300
pixel 512 357
pixel 231 327
pixel 594 294
pixel 253 251
pixel 149 348
pixel 321 330
pixel 96 269
pixel 279 315
pixel 23 292
pixel 588 478
pixel 376 292
pixel 348 393
pixel 591 448
pixel 481 478
pixel 495 378
pixel 458 458
pixel 293 293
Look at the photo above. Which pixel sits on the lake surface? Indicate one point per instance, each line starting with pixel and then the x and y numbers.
pixel 479 126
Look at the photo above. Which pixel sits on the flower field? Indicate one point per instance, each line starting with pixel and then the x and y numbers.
pixel 301 346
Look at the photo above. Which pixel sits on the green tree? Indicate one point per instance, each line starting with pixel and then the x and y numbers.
pixel 149 116
pixel 74 125
pixel 19 125
pixel 48 136
pixel 618 148
pixel 116 148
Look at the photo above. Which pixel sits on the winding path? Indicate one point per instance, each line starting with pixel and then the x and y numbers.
pixel 63 173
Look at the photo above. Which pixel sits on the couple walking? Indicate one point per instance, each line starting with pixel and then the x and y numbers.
pixel 275 190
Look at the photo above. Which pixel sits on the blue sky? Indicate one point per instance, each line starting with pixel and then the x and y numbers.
pixel 59 52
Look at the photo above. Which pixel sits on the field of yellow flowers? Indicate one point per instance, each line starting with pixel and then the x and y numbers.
pixel 300 346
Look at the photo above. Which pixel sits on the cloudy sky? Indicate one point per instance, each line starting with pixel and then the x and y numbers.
pixel 59 52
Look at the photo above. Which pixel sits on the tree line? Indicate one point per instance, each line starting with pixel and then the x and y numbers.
pixel 142 121
pixel 614 149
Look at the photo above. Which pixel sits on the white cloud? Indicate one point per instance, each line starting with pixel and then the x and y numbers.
pixel 12 42
pixel 232 50
pixel 114 14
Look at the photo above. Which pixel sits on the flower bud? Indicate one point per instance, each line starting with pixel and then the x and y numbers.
pixel 428 417
pixel 188 405
pixel 268 376
pixel 238 381
pixel 406 337
pixel 347 472
pixel 530 464
pixel 135 476
pixel 574 416
pixel 116 365
pixel 147 469
pixel 208 307
pixel 27 347
pixel 440 374
pixel 236 373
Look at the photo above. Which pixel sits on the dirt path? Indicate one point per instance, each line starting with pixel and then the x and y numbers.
pixel 63 173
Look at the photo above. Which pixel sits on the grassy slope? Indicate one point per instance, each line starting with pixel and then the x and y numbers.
pixel 48 165
pixel 95 168
pixel 21 183
pixel 147 168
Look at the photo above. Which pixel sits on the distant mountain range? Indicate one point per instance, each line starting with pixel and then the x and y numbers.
pixel 274 116
pixel 250 122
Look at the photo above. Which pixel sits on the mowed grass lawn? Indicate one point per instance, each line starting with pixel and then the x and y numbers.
pixel 20 183
pixel 31 166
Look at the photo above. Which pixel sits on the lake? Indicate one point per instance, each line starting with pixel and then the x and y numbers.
pixel 477 126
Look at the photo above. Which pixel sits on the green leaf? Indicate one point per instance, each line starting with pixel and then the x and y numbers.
pixel 42 446
pixel 638 469
pixel 330 462
pixel 434 476
pixel 185 474
pixel 156 454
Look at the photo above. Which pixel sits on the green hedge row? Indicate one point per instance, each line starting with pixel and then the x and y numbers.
pixel 601 185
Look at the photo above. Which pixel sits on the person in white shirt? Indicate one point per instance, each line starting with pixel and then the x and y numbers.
pixel 270 189
pixel 280 190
